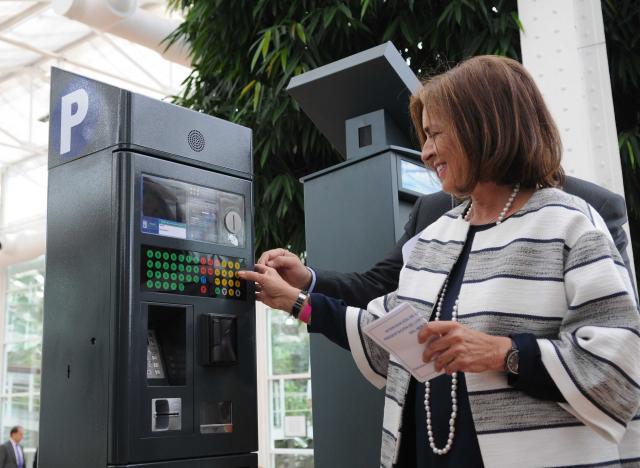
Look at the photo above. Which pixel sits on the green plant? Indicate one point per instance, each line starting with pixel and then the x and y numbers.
pixel 621 25
pixel 246 52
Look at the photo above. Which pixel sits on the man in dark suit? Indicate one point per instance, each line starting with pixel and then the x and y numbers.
pixel 357 289
pixel 11 454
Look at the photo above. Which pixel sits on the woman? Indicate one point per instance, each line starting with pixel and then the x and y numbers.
pixel 530 306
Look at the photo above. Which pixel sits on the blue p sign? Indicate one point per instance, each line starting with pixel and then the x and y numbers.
pixel 70 118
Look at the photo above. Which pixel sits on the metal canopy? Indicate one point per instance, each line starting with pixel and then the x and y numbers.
pixel 376 78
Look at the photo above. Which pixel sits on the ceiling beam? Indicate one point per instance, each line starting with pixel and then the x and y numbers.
pixel 60 57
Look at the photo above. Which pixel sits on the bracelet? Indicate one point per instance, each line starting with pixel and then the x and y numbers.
pixel 297 306
pixel 305 315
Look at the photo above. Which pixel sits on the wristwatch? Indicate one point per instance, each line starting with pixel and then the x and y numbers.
pixel 512 359
pixel 297 306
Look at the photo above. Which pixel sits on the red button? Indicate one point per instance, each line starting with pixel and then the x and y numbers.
pixel 210 271
pixel 210 261
pixel 203 261
pixel 203 271
pixel 203 289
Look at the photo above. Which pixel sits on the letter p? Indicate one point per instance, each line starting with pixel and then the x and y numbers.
pixel 68 119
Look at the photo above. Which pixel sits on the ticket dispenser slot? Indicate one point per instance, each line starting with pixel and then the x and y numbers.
pixel 218 340
pixel 166 345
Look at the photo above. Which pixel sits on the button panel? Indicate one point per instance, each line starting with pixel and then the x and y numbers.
pixel 191 273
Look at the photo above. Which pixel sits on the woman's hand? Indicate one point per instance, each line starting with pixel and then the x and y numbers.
pixel 288 265
pixel 456 348
pixel 271 289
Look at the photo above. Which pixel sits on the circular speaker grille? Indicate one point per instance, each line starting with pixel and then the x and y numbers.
pixel 195 140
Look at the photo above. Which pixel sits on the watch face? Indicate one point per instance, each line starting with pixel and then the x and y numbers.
pixel 512 361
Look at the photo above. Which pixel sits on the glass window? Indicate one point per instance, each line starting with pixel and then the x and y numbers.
pixel 22 348
pixel 291 431
pixel 293 461
pixel 289 344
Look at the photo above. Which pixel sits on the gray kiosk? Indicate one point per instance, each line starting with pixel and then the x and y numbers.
pixel 355 212
pixel 149 336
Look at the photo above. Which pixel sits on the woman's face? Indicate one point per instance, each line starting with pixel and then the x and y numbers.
pixel 441 152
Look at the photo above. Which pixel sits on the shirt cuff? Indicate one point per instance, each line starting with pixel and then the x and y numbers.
pixel 532 377
pixel 313 280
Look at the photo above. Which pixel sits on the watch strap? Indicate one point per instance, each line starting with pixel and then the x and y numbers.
pixel 297 306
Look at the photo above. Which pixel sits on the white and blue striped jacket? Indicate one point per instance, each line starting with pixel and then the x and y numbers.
pixel 550 269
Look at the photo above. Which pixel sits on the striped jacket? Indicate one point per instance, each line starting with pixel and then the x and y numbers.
pixel 551 269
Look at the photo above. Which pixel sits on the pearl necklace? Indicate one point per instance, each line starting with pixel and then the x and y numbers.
pixel 454 386
pixel 507 206
pixel 454 375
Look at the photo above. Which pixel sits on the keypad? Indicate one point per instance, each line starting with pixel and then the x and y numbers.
pixel 191 273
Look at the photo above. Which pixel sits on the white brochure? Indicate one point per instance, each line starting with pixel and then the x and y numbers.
pixel 397 332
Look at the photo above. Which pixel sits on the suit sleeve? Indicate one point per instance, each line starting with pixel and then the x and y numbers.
pixel 358 289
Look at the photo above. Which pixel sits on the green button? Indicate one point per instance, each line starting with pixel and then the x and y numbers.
pixel 157 254
pixel 196 259
pixel 150 284
pixel 158 265
pixel 174 267
pixel 189 268
pixel 174 286
pixel 188 278
pixel 149 274
pixel 158 275
pixel 157 284
pixel 217 290
pixel 174 276
pixel 149 263
pixel 165 275
pixel 149 253
pixel 181 277
pixel 173 257
pixel 188 258
pixel 180 267
pixel 165 266
pixel 165 255
pixel 181 287
pixel 181 258
pixel 165 285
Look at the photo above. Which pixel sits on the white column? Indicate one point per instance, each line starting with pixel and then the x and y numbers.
pixel 262 368
pixel 563 47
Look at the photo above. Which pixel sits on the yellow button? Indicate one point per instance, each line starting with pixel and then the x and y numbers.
pixel 224 273
pixel 231 292
pixel 224 282
pixel 223 264
pixel 217 281
pixel 217 272
pixel 237 265
pixel 237 284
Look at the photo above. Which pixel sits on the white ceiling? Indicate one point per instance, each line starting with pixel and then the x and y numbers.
pixel 32 39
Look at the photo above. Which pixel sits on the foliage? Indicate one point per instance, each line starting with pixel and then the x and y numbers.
pixel 621 25
pixel 245 53
pixel 629 143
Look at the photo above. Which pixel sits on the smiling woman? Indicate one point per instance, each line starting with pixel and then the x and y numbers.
pixel 516 139
pixel 530 309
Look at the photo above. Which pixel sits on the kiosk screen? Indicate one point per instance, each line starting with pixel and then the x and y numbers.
pixel 417 178
pixel 177 209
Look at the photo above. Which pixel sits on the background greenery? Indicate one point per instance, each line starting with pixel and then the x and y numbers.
pixel 246 51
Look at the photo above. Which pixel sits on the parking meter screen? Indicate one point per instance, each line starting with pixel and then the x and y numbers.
pixel 191 273
pixel 178 209
pixel 417 178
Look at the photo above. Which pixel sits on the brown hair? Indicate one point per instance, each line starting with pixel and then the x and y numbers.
pixel 499 119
